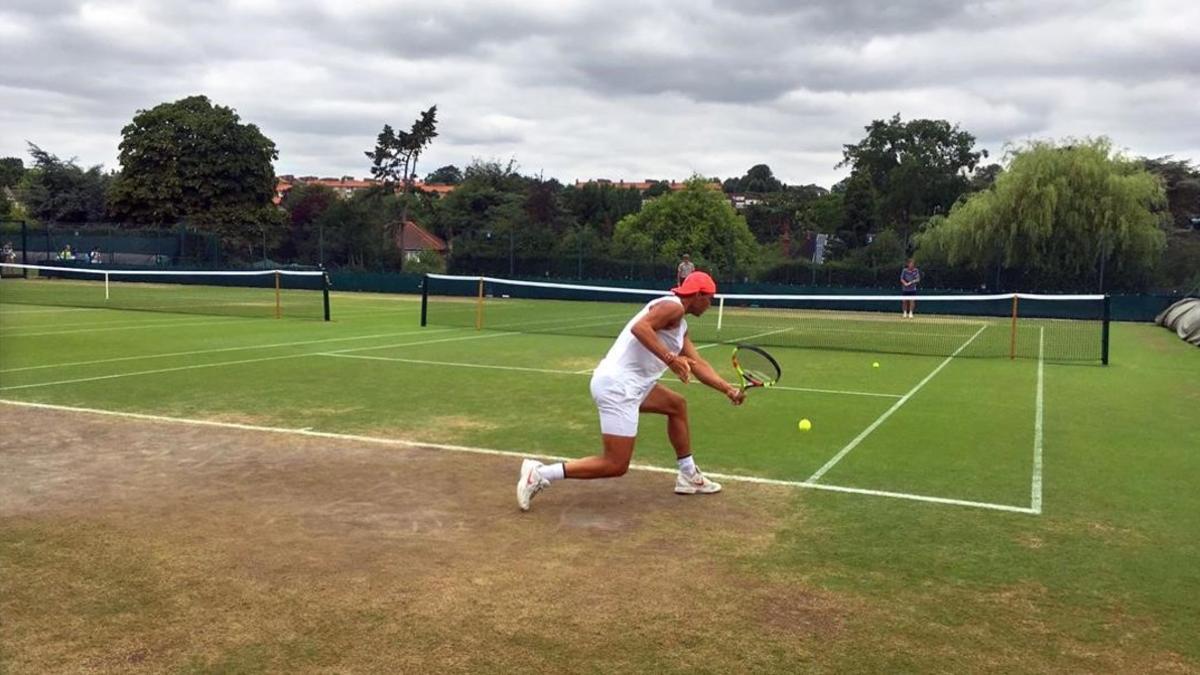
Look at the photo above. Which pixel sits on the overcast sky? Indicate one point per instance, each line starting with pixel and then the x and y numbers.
pixel 578 89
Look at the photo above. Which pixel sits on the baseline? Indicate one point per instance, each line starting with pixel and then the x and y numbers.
pixel 507 453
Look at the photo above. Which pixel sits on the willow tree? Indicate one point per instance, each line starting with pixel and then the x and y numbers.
pixel 1062 215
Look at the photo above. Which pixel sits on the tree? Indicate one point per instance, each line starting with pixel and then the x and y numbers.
pixel 447 175
pixel 60 190
pixel 1182 184
pixel 601 205
pixel 11 171
pixel 395 156
pixel 657 188
pixel 359 231
pixel 758 180
pixel 984 177
pixel 1064 216
pixel 305 204
pixel 918 168
pixel 195 161
pixel 696 220
pixel 859 210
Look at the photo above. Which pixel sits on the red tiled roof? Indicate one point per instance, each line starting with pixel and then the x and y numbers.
pixel 640 185
pixel 417 238
pixel 346 185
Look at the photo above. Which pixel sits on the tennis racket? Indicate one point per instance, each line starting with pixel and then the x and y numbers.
pixel 755 366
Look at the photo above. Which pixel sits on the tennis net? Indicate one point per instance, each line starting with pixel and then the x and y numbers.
pixel 253 293
pixel 1059 327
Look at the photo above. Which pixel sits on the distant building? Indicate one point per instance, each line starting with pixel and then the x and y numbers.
pixel 741 201
pixel 639 185
pixel 348 185
pixel 414 240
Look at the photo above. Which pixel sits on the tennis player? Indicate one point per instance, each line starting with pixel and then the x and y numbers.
pixel 910 277
pixel 626 383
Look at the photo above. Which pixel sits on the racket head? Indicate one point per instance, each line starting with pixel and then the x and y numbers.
pixel 755 366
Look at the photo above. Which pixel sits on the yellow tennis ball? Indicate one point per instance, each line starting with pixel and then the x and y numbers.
pixel 875 365
pixel 805 425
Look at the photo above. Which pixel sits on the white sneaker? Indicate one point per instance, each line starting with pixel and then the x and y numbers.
pixel 696 483
pixel 529 483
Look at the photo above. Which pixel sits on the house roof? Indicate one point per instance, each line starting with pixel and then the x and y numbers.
pixel 639 185
pixel 348 184
pixel 417 238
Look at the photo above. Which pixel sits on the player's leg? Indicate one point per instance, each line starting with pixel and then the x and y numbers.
pixel 618 430
pixel 663 401
pixel 618 451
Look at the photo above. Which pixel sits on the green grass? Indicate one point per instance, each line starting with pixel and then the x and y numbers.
pixel 1109 567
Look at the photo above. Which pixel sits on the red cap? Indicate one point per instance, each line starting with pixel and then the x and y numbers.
pixel 696 282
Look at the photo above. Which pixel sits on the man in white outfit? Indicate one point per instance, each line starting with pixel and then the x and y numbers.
pixel 626 384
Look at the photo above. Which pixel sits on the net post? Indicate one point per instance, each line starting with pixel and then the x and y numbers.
pixel 720 312
pixel 424 299
pixel 325 293
pixel 1104 329
pixel 278 308
pixel 1012 349
pixel 479 307
pixel 24 249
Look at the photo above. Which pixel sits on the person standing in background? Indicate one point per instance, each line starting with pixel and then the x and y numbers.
pixel 685 268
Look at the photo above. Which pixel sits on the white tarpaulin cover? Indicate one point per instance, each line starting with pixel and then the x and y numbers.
pixel 1183 317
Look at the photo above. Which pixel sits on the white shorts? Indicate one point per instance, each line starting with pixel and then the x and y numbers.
pixel 618 402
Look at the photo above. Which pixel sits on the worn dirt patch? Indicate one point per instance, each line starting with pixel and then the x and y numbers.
pixel 449 429
pixel 574 363
pixel 144 546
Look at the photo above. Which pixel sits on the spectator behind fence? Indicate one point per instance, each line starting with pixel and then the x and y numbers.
pixel 7 254
pixel 66 253
pixel 94 256
pixel 685 268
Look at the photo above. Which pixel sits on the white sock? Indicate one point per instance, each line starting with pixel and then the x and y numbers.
pixel 687 465
pixel 551 472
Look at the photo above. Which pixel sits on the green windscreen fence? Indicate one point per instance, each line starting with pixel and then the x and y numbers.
pixel 258 293
pixel 1066 328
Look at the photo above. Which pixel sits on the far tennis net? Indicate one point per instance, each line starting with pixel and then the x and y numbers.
pixel 1066 327
pixel 251 293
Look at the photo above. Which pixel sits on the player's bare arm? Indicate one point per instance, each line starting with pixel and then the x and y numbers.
pixel 664 315
pixel 708 375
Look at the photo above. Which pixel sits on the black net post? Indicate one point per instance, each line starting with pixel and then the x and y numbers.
pixel 424 299
pixel 325 293
pixel 24 249
pixel 1104 330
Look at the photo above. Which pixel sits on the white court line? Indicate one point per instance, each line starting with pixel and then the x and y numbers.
pixel 1036 497
pixel 888 413
pixel 451 364
pixel 488 366
pixel 10 308
pixel 744 338
pixel 240 362
pixel 507 453
pixel 140 357
pixel 837 391
pixel 105 329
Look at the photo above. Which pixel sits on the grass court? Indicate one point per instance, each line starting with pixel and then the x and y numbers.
pixel 204 493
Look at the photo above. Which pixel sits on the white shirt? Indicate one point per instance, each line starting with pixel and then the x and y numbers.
pixel 629 362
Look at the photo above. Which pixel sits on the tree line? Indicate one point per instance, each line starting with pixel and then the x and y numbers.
pixel 1062 215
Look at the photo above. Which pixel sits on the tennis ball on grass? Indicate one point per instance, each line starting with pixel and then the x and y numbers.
pixel 804 425
pixel 875 365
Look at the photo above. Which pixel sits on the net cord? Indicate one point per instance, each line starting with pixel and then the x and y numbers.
pixel 176 273
pixel 721 297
